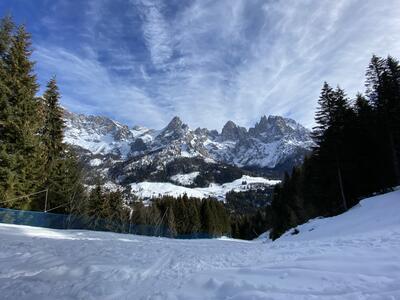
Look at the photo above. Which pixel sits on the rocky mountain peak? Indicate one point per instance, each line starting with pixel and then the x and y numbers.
pixel 263 125
pixel 274 142
pixel 231 131
pixel 279 126
pixel 175 129
pixel 97 125
pixel 175 124
pixel 272 128
pixel 263 121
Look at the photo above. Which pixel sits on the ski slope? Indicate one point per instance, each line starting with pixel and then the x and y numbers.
pixel 352 256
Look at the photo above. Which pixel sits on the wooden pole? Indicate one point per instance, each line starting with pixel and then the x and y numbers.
pixel 45 202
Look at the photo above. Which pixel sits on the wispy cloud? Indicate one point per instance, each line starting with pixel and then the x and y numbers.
pixel 156 32
pixel 143 61
pixel 87 87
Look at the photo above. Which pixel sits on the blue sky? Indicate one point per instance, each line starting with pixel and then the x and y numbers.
pixel 144 61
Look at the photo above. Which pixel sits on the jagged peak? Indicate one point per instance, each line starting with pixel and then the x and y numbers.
pixel 229 124
pixel 231 131
pixel 264 118
pixel 176 122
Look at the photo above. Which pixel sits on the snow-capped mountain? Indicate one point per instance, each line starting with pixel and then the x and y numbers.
pixel 126 155
pixel 101 135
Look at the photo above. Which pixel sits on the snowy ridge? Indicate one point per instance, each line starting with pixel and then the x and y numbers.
pixel 101 135
pixel 272 141
pixel 343 257
pixel 129 156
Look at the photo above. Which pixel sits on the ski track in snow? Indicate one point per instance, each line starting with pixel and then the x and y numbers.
pixel 39 263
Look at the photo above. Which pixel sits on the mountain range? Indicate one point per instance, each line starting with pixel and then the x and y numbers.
pixel 119 154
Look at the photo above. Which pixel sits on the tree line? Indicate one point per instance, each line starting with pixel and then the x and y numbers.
pixel 183 216
pixel 357 151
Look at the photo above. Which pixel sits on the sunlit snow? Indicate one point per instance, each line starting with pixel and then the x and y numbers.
pixel 351 256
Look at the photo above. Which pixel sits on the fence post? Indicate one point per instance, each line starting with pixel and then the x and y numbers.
pixel 45 202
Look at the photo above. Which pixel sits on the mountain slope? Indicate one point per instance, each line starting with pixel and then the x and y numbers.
pixel 375 214
pixel 351 256
pixel 125 155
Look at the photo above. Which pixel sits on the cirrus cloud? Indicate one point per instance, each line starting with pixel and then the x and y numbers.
pixel 144 61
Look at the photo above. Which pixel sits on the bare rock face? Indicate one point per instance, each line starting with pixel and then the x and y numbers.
pixel 232 132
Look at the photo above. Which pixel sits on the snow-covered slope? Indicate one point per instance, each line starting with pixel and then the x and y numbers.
pixel 374 214
pixel 185 179
pixel 147 190
pixel 352 256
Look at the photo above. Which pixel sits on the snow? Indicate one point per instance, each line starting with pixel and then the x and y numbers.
pixel 146 190
pixel 370 216
pixel 95 162
pixel 185 179
pixel 352 256
pixel 96 143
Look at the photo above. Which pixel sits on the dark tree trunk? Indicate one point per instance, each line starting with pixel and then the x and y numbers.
pixel 396 165
pixel 344 202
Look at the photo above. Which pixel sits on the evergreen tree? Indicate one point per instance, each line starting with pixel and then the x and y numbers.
pixel 391 111
pixel 364 147
pixel 331 117
pixel 193 216
pixel 323 116
pixel 21 156
pixel 63 173
pixel 53 131
pixel 357 151
pixel 208 218
pixel 94 207
pixel 170 223
pixel 383 91
pixel 374 79
pixel 6 29
pixel 113 214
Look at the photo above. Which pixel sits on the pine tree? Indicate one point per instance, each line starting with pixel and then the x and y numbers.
pixel 21 157
pixel 392 111
pixel 113 214
pixel 208 218
pixel 6 176
pixel 170 223
pixel 63 174
pixel 383 77
pixel 94 207
pixel 6 29
pixel 323 116
pixel 374 79
pixel 194 223
pixel 53 131
pixel 330 117
pixel 61 167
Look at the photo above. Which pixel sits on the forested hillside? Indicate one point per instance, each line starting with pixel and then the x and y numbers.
pixel 357 152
